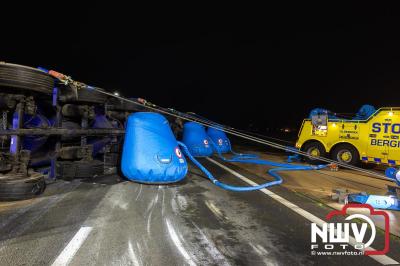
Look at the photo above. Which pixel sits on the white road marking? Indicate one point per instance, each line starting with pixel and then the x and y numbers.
pixel 383 259
pixel 149 222
pixel 178 243
pixel 132 255
pixel 261 251
pixel 73 246
pixel 216 255
pixel 215 210
pixel 140 192
pixel 163 203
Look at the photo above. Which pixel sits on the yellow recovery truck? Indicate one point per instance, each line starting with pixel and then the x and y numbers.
pixel 374 139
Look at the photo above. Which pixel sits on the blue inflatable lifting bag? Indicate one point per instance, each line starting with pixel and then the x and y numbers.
pixel 220 140
pixel 151 153
pixel 196 139
pixel 365 112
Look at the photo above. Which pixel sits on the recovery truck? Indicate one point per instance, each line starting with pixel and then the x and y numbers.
pixel 374 139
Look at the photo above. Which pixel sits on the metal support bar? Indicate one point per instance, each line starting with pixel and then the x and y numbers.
pixel 53 163
pixel 84 125
pixel 62 131
pixel 4 121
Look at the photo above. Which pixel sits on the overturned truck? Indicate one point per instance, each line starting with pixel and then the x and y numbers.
pixel 50 129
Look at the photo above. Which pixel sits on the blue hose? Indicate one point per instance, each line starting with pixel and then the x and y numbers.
pixel 273 172
pixel 251 160
pixel 237 155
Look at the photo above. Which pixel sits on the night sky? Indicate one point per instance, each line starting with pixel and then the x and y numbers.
pixel 260 65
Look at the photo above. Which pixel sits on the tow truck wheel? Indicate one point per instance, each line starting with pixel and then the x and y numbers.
pixel 346 153
pixel 315 149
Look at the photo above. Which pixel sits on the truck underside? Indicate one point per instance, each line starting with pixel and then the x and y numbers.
pixel 52 130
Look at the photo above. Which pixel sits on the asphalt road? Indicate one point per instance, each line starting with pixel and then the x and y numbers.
pixel 190 223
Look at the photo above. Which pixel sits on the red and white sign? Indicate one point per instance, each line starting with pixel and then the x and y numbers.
pixel 178 152
pixel 338 234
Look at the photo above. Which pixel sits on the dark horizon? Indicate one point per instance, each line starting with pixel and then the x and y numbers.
pixel 266 68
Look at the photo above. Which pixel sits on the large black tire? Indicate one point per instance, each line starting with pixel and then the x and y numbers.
pixel 24 78
pixel 316 149
pixel 68 170
pixel 91 96
pixel 346 153
pixel 19 187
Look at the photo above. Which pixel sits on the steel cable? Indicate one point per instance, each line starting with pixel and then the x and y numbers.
pixel 224 128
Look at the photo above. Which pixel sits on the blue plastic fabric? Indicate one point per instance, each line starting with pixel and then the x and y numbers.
pixel 151 153
pixel 390 202
pixel 294 158
pixel 391 172
pixel 220 139
pixel 376 201
pixel 365 112
pixel 222 143
pixel 196 139
pixel 394 174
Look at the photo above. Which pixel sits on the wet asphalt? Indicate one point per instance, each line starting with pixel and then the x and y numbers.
pixel 188 223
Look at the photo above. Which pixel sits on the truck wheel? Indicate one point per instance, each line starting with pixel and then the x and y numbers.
pixel 25 78
pixel 315 149
pixel 346 153
pixel 19 187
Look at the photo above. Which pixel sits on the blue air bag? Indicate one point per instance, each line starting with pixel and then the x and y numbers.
pixel 151 153
pixel 220 140
pixel 196 139
pixel 365 112
pixel 389 202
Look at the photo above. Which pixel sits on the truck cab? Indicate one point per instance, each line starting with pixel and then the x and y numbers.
pixel 374 139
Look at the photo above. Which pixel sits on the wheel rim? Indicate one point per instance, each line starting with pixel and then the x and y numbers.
pixel 314 152
pixel 344 156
